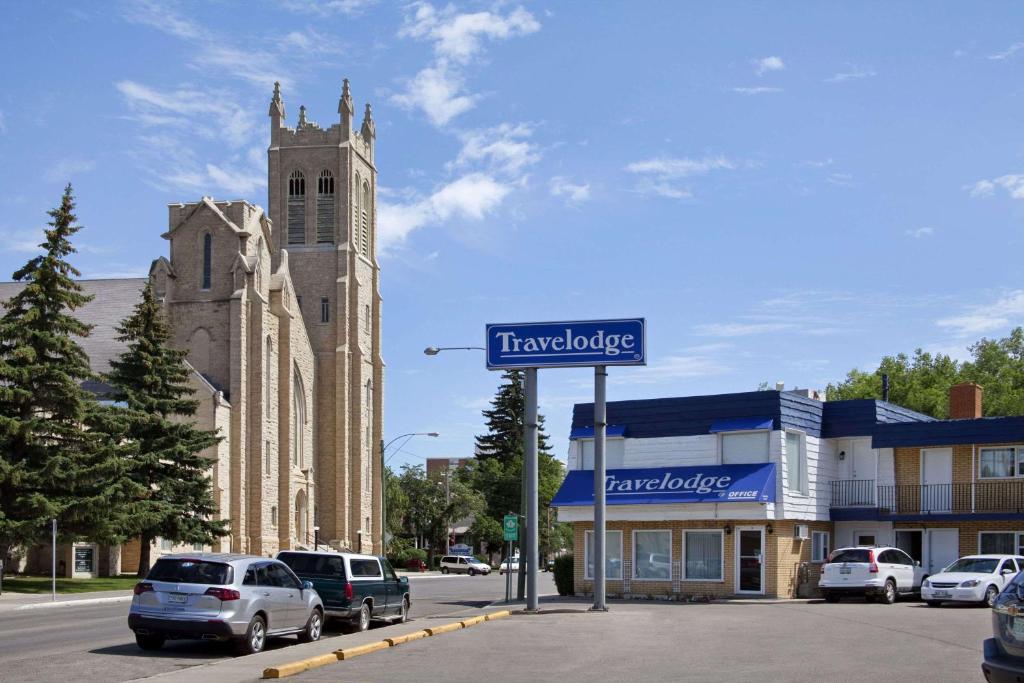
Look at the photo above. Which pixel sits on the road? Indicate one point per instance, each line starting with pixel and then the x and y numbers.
pixel 93 643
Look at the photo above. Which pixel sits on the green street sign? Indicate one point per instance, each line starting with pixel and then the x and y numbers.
pixel 511 528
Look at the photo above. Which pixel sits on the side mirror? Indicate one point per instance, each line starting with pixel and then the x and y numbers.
pixel 917 563
pixel 307 585
pixel 1008 570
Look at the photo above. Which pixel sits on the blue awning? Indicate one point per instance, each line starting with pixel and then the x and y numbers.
pixel 588 432
pixel 712 484
pixel 739 424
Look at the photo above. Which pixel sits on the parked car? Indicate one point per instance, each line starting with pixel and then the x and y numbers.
pixel 1004 651
pixel 511 564
pixel 223 597
pixel 975 578
pixel 878 571
pixel 416 565
pixel 355 588
pixel 461 564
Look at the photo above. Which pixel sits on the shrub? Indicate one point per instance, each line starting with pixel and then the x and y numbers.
pixel 564 574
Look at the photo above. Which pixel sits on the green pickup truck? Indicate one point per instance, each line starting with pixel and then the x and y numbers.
pixel 356 588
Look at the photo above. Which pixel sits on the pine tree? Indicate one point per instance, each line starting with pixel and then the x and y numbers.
pixel 504 437
pixel 56 460
pixel 166 458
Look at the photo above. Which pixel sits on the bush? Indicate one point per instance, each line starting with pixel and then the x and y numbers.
pixel 564 574
pixel 483 558
pixel 398 557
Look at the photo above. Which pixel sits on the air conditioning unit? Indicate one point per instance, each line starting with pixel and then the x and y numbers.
pixel 801 531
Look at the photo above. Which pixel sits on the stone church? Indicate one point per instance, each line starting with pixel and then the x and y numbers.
pixel 280 312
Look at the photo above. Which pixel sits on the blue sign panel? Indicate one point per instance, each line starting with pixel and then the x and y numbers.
pixel 714 484
pixel 567 344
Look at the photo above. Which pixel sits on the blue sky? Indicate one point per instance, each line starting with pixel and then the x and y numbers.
pixel 785 192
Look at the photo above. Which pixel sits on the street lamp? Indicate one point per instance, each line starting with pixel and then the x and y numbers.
pixel 434 350
pixel 383 485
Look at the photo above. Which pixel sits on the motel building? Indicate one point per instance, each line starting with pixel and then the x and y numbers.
pixel 746 494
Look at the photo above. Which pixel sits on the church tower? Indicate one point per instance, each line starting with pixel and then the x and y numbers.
pixel 323 198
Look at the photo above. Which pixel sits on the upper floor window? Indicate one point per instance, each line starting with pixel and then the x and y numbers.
pixel 325 310
pixel 365 208
pixel 1001 463
pixel 325 208
pixel 614 454
pixel 268 365
pixel 796 463
pixel 207 260
pixel 744 447
pixel 296 208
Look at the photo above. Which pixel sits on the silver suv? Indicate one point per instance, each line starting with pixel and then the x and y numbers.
pixel 209 596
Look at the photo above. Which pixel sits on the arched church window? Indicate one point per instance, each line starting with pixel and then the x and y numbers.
pixel 299 427
pixel 365 208
pixel 325 208
pixel 354 237
pixel 199 350
pixel 368 458
pixel 207 260
pixel 268 364
pixel 296 208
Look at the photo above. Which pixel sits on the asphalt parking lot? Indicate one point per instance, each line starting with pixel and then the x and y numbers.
pixel 658 641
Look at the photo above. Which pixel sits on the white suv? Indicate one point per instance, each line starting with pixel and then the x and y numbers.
pixel 878 571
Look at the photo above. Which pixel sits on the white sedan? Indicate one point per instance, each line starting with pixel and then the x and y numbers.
pixel 975 578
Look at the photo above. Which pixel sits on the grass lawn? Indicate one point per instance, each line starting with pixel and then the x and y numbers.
pixel 41 584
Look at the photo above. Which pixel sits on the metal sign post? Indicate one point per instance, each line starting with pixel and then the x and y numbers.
pixel 510 526
pixel 594 343
pixel 53 562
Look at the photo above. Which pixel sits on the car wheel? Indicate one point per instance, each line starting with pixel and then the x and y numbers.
pixel 362 621
pixel 934 603
pixel 472 572
pixel 990 596
pixel 149 641
pixel 255 637
pixel 403 614
pixel 444 570
pixel 314 627
pixel 831 597
pixel 889 595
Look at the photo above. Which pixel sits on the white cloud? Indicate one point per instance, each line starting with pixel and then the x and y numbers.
pixel 21 241
pixel 505 147
pixel 840 179
pixel 660 175
pixel 918 233
pixel 215 115
pixel 766 64
pixel 439 89
pixel 66 169
pixel 1002 314
pixel 574 194
pixel 1013 184
pixel 328 7
pixel 1008 52
pixel 740 329
pixel 756 90
pixel 674 368
pixel 470 197
pixel 855 72
pixel 813 163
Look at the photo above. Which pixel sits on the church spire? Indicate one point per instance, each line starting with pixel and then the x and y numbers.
pixel 345 110
pixel 302 116
pixel 369 130
pixel 276 105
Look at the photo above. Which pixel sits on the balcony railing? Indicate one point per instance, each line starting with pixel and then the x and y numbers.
pixel 901 499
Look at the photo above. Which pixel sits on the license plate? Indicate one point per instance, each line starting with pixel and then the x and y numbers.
pixel 942 594
pixel 845 570
pixel 178 597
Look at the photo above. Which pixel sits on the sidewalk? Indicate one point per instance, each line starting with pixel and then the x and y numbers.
pixel 18 601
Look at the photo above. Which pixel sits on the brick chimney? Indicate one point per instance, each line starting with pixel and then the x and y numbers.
pixel 965 401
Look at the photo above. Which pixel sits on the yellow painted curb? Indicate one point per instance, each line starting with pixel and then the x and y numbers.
pixel 497 615
pixel 293 668
pixel 350 652
pixel 472 622
pixel 446 628
pixel 398 640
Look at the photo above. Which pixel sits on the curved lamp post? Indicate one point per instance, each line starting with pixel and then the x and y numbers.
pixel 383 485
pixel 434 350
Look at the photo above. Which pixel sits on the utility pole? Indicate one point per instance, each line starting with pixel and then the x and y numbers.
pixel 447 504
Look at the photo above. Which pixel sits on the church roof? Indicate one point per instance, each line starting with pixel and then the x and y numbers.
pixel 113 301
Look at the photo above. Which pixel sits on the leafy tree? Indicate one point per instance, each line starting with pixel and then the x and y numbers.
pixel 998 366
pixel 397 503
pixel 487 530
pixel 56 458
pixel 166 448
pixel 435 502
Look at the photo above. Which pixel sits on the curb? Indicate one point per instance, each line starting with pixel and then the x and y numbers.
pixel 71 603
pixel 292 668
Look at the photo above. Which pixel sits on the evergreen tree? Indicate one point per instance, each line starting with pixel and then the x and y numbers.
pixel 504 437
pixel 56 460
pixel 166 458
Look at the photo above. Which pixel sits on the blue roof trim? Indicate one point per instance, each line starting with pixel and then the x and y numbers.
pixel 657 485
pixel 876 515
pixel 739 424
pixel 588 432
pixel 859 417
pixel 949 432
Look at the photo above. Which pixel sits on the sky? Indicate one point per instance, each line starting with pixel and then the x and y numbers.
pixel 783 191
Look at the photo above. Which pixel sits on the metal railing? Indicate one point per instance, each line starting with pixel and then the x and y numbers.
pixel 969 497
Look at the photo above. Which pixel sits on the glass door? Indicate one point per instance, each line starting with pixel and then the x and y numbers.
pixel 750 560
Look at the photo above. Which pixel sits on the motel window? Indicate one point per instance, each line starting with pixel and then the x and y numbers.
pixel 702 555
pixel 652 555
pixel 796 463
pixel 612 555
pixel 1000 542
pixel 166 544
pixel 198 547
pixel 819 546
pixel 614 454
pixel 1000 463
pixel 744 447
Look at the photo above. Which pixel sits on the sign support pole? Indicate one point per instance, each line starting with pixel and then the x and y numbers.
pixel 600 422
pixel 532 512
pixel 53 561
